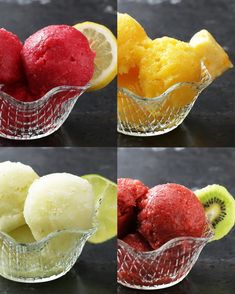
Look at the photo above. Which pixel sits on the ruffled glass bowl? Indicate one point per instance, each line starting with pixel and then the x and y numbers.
pixel 44 260
pixel 163 267
pixel 33 120
pixel 41 261
pixel 143 117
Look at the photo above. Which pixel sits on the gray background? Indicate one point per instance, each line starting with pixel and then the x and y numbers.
pixel 93 119
pixel 194 168
pixel 95 271
pixel 211 123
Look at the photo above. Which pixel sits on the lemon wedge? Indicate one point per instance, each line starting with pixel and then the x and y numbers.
pixel 104 44
pixel 107 214
pixel 211 53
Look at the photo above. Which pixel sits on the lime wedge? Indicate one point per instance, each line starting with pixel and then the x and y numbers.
pixel 107 214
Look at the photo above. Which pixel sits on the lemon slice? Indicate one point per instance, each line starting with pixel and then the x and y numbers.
pixel 104 44
pixel 212 54
pixel 107 214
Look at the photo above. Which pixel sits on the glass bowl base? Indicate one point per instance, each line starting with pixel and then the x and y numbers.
pixel 155 287
pixel 36 279
pixel 134 133
pixel 28 135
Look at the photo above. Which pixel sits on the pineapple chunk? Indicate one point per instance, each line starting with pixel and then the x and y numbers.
pixel 211 53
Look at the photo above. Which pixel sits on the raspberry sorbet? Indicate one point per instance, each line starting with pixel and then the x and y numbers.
pixel 10 58
pixel 170 211
pixel 129 193
pixel 57 55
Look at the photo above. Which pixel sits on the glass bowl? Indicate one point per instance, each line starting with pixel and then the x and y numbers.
pixel 44 260
pixel 41 261
pixel 143 117
pixel 38 119
pixel 163 267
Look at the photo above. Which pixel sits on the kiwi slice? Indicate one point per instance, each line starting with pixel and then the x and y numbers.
pixel 219 206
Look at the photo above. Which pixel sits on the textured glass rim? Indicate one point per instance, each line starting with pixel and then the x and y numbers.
pixel 196 85
pixel 33 245
pixel 168 244
pixel 46 97
pixel 89 232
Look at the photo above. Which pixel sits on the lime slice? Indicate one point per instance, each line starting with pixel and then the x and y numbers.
pixel 104 44
pixel 107 214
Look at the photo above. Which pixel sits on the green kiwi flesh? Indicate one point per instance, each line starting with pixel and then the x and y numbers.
pixel 219 207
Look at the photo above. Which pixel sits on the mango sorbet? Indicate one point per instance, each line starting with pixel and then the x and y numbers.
pixel 148 68
pixel 131 41
pixel 166 62
pixel 130 81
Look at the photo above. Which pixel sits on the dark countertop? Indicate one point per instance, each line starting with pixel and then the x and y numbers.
pixel 194 168
pixel 93 119
pixel 211 123
pixel 95 271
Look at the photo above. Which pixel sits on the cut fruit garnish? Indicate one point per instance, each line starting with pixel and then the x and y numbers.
pixel 104 44
pixel 107 214
pixel 211 53
pixel 219 206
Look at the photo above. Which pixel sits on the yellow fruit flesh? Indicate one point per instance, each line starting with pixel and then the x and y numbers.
pixel 211 53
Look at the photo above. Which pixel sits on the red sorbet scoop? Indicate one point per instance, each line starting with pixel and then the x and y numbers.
pixel 10 58
pixel 20 92
pixel 137 242
pixel 57 55
pixel 129 191
pixel 170 211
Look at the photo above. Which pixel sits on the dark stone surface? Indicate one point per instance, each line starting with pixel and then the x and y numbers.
pixel 212 120
pixel 194 168
pixel 93 119
pixel 95 271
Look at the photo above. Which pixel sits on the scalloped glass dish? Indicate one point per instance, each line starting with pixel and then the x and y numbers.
pixel 38 119
pixel 163 267
pixel 44 260
pixel 41 261
pixel 143 117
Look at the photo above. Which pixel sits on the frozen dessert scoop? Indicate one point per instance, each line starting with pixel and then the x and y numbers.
pixel 22 235
pixel 57 55
pixel 129 193
pixel 20 91
pixel 167 61
pixel 149 67
pixel 131 38
pixel 170 211
pixel 10 58
pixel 57 202
pixel 15 180
pixel 137 242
